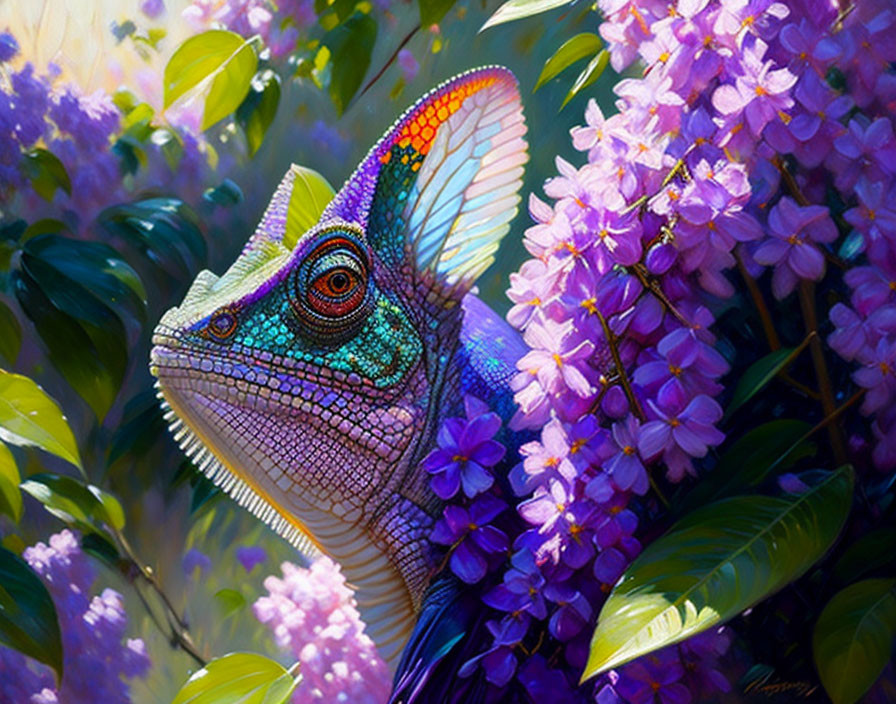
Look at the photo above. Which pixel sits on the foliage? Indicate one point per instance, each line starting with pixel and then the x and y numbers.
pixel 752 138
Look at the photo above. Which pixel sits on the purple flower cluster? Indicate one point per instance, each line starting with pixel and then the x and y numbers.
pixel 98 656
pixel 312 614
pixel 278 24
pixel 80 130
pixel 680 185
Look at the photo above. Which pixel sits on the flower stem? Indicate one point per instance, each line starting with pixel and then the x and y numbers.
pixel 620 368
pixel 768 326
pixel 179 633
pixel 389 62
pixel 810 317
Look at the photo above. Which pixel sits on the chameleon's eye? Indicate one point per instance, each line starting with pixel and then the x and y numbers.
pixel 222 324
pixel 331 286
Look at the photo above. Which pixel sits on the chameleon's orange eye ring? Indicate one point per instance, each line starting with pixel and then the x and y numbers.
pixel 332 283
pixel 222 324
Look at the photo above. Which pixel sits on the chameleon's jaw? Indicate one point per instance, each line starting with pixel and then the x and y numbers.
pixel 293 471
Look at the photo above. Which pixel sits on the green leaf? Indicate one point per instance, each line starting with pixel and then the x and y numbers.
pixel 229 601
pixel 46 172
pixel 748 461
pixel 112 512
pixel 714 564
pixel 87 304
pixel 351 45
pixel 592 72
pixel 853 638
pixel 238 678
pixel 868 553
pixel 760 373
pixel 518 9
pixel 433 11
pixel 311 193
pixel 164 230
pixel 10 334
pixel 256 113
pixel 226 194
pixel 67 498
pixel 218 63
pixel 28 621
pixel 575 49
pixel 28 417
pixel 10 496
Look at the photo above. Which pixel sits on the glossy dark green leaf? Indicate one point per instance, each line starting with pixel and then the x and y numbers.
pixel 433 11
pixel 853 638
pixel 140 428
pixel 219 64
pixel 870 552
pixel 94 370
pixel 10 496
pixel 28 621
pixel 589 75
pixel 30 418
pixel 575 49
pixel 757 376
pixel 225 194
pixel 714 564
pixel 351 45
pixel 10 334
pixel 46 172
pixel 747 462
pixel 256 113
pixel 103 549
pixel 238 678
pixel 164 230
pixel 518 9
pixel 87 304
pixel 311 193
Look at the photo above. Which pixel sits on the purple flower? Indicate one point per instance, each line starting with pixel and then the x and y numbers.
pixel 654 677
pixel 559 356
pixel 194 560
pixel 9 47
pixel 470 536
pixel 251 555
pixel 521 588
pixel 625 467
pixel 688 425
pixel 465 450
pixel 867 149
pixel 152 8
pixel 563 524
pixel 408 65
pixel 879 377
pixel 572 613
pixel 760 92
pixel 791 248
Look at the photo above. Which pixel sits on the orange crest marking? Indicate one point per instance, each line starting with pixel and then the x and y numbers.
pixel 421 126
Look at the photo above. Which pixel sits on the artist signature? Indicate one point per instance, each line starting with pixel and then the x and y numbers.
pixel 773 688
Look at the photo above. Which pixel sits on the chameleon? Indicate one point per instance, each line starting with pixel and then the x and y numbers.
pixel 309 381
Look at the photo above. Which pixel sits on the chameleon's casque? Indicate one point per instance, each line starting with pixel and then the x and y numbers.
pixel 310 382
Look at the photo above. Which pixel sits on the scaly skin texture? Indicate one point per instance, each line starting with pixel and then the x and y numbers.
pixel 310 382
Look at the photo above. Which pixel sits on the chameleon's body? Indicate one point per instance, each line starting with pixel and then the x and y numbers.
pixel 310 382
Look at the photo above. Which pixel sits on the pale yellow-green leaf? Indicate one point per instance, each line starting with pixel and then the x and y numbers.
pixel 238 678
pixel 575 49
pixel 311 193
pixel 29 417
pixel 218 63
pixel 715 563
pixel 518 9
pixel 589 75
pixel 10 496
pixel 114 513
